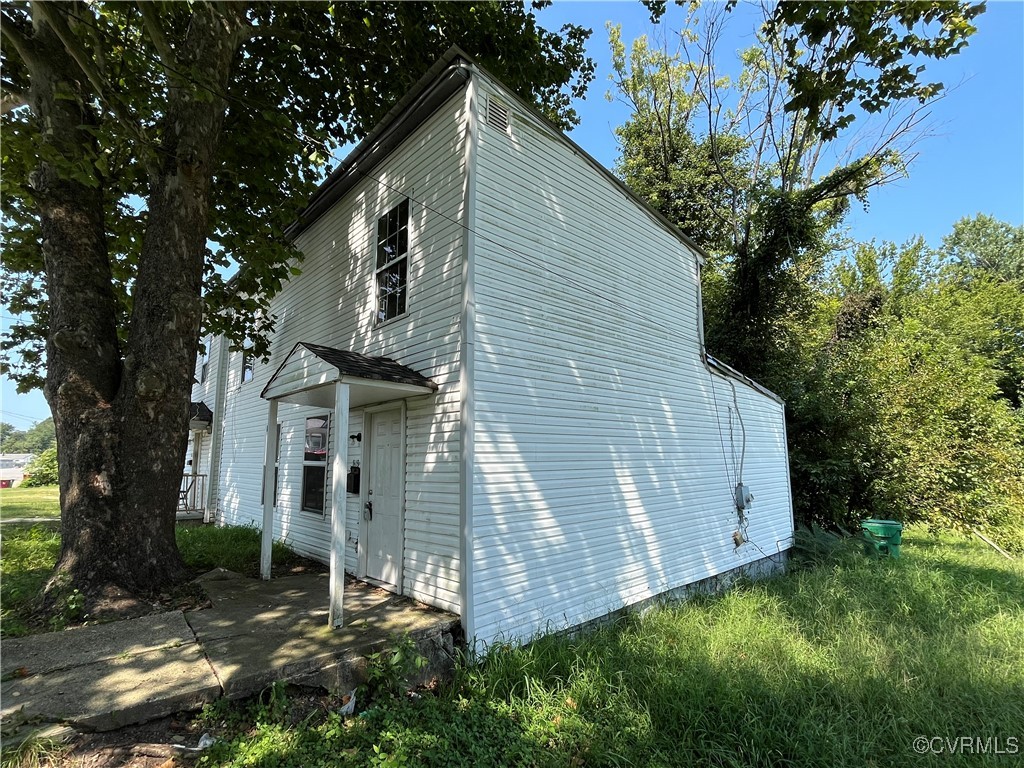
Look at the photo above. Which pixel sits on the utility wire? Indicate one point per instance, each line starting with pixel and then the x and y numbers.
pixel 520 254
pixel 600 297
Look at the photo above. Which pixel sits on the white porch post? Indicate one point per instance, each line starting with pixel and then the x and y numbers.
pixel 338 470
pixel 268 491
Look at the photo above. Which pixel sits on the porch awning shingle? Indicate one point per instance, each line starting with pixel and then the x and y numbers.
pixel 302 377
pixel 199 416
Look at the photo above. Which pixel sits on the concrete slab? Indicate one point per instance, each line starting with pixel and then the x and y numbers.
pixel 255 633
pixel 39 654
pixel 248 663
pixel 115 692
pixel 259 632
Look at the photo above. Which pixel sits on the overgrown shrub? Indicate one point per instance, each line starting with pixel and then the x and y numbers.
pixel 42 470
pixel 903 408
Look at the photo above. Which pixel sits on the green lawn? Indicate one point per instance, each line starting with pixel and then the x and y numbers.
pixel 27 555
pixel 29 502
pixel 842 665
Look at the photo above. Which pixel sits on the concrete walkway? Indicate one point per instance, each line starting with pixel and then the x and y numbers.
pixel 111 675
pixel 30 520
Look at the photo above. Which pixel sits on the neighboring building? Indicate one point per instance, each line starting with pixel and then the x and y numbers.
pixel 15 460
pixel 546 440
pixel 12 468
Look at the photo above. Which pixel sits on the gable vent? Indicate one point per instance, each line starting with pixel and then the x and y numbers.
pixel 497 115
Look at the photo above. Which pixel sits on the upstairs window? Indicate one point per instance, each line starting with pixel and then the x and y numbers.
pixel 247 362
pixel 204 361
pixel 392 261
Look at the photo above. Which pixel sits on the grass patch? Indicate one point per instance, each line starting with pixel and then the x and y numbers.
pixel 28 554
pixel 840 665
pixel 236 548
pixel 30 502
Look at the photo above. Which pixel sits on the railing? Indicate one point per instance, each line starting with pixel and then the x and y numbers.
pixel 192 493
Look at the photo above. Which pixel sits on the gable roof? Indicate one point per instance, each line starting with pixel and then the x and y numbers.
pixel 448 75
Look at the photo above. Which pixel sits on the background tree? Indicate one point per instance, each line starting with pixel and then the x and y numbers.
pixel 35 439
pixel 904 411
pixel 42 470
pixel 760 140
pixel 992 247
pixel 159 143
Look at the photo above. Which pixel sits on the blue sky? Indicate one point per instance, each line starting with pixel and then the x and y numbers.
pixel 973 163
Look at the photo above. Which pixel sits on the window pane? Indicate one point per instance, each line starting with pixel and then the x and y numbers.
pixel 391 290
pixel 386 251
pixel 316 439
pixel 314 480
pixel 393 234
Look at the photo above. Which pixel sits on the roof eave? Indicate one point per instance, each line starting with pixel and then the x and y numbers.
pixel 445 77
pixel 727 370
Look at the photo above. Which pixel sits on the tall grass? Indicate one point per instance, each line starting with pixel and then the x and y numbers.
pixel 236 548
pixel 841 665
pixel 27 555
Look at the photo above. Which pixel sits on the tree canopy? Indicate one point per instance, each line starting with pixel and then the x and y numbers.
pixel 35 439
pixel 147 148
pixel 305 79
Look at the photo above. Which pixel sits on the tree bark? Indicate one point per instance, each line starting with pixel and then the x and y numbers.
pixel 122 421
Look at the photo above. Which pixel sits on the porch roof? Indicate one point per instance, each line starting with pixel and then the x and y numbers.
pixel 199 416
pixel 307 370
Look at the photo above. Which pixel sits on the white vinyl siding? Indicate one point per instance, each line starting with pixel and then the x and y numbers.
pixel 206 390
pixel 333 303
pixel 599 475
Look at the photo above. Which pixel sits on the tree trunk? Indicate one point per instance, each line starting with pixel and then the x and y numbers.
pixel 122 423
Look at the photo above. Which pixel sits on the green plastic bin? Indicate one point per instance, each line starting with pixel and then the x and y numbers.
pixel 882 538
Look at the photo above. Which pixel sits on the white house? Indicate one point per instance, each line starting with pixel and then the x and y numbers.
pixel 488 388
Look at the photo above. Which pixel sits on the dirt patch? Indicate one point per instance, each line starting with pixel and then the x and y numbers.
pixel 151 745
pixel 295 566
pixel 115 604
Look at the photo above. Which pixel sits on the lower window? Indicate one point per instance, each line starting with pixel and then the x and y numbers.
pixel 314 464
pixel 314 486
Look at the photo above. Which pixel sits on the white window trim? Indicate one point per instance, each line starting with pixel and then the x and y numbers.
pixel 325 464
pixel 247 355
pixel 407 256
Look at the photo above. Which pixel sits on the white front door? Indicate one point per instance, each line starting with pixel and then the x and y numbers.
pixel 383 510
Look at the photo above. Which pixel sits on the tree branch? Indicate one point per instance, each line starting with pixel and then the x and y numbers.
pixel 9 28
pixel 11 100
pixel 71 44
pixel 151 23
pixel 74 48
